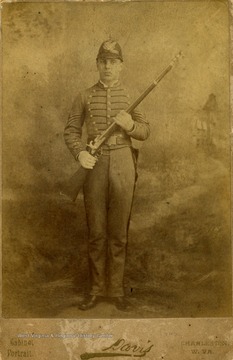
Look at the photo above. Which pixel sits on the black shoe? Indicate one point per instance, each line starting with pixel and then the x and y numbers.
pixel 122 304
pixel 88 303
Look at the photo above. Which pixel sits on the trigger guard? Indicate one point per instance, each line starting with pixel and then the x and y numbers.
pixel 90 145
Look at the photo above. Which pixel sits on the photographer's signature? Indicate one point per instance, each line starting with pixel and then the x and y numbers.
pixel 120 348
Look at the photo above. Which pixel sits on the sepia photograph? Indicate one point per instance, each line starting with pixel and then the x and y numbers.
pixel 116 167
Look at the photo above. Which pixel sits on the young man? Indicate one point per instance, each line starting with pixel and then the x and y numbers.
pixel 109 188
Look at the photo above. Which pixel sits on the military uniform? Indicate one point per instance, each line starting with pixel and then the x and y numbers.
pixel 108 190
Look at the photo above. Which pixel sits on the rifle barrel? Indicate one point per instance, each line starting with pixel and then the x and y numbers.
pixel 152 85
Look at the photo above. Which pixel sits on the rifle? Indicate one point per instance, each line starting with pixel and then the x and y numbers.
pixel 74 185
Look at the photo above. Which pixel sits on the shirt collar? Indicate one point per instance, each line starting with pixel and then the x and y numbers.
pixel 115 84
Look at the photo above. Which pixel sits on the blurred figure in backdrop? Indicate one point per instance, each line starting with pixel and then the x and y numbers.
pixel 210 109
pixel 205 124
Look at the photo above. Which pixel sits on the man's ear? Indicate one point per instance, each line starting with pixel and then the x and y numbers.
pixel 121 65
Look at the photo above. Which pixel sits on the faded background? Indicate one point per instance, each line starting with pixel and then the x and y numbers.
pixel 179 253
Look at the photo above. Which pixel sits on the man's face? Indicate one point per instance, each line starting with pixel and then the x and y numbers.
pixel 109 69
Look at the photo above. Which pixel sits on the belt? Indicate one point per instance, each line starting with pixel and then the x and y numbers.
pixel 117 140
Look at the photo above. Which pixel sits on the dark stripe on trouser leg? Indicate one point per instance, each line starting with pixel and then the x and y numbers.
pixel 121 188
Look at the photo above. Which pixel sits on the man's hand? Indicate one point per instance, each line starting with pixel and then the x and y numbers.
pixel 86 160
pixel 124 120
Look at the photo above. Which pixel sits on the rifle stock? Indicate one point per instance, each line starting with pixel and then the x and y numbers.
pixel 75 183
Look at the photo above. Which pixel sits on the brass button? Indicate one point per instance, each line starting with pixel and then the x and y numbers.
pixel 108 116
pixel 91 116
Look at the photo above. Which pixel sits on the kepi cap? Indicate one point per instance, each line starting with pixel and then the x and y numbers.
pixel 110 49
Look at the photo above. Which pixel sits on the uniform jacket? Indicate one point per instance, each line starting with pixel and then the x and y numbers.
pixel 96 107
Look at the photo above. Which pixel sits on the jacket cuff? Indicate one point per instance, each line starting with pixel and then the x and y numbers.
pixel 78 152
pixel 131 132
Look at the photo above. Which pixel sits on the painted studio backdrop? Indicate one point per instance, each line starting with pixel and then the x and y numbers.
pixel 179 258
